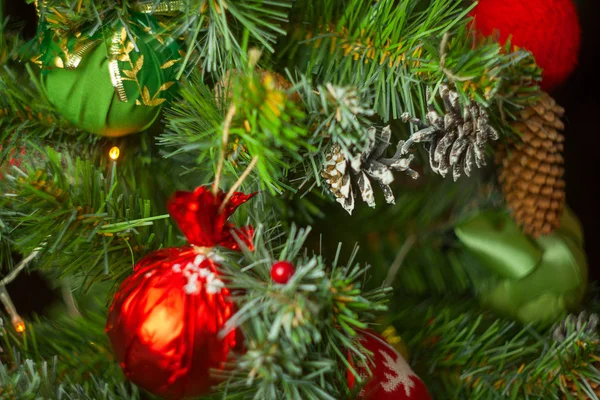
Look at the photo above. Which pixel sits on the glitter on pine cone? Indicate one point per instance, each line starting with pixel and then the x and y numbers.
pixel 531 171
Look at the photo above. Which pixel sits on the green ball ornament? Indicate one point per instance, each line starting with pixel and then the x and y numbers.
pixel 537 280
pixel 115 86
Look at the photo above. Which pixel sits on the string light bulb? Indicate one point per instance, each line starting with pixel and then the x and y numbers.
pixel 15 318
pixel 114 153
pixel 18 324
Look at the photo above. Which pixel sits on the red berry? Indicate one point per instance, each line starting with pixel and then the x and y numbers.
pixel 282 271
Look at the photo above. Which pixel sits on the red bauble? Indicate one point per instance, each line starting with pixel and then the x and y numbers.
pixel 165 320
pixel 391 376
pixel 282 271
pixel 547 28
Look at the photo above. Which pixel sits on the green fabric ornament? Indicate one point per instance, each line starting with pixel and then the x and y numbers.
pixel 540 280
pixel 113 86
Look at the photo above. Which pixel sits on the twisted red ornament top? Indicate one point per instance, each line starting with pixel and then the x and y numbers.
pixel 199 216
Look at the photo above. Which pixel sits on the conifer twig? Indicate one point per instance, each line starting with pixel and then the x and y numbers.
pixel 443 52
pixel 226 127
pixel 402 253
pixel 14 273
pixel 69 299
pixel 238 183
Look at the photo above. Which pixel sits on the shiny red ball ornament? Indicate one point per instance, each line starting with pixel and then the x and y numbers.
pixel 165 320
pixel 391 376
pixel 547 28
pixel 282 271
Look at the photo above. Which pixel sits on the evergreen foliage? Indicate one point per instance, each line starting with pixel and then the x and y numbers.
pixel 298 333
pixel 267 87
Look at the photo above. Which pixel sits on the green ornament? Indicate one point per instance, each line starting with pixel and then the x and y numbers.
pixel 114 86
pixel 539 280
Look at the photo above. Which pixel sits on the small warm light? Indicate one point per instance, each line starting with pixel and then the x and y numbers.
pixel 114 153
pixel 15 318
pixel 19 324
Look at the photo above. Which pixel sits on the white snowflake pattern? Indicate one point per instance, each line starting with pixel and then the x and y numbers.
pixel 199 259
pixel 400 374
pixel 193 271
pixel 214 284
pixel 216 257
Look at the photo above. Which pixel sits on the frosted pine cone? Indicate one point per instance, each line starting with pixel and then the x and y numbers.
pixel 340 170
pixel 582 323
pixel 337 176
pixel 457 138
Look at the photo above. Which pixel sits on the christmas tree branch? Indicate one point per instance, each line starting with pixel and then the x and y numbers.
pixel 29 379
pixel 61 357
pixel 325 73
pixel 398 48
pixel 26 115
pixel 266 124
pixel 222 31
pixel 472 354
pixel 299 333
pixel 88 227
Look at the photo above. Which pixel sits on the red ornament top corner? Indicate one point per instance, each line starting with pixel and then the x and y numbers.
pixel 204 224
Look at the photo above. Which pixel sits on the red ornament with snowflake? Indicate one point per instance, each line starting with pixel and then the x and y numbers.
pixel 391 376
pixel 165 320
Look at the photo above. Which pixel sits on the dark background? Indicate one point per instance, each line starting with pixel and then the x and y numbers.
pixel 579 95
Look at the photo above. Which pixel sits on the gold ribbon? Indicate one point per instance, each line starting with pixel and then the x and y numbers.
pixel 164 7
pixel 113 66
pixel 147 7
pixel 75 58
